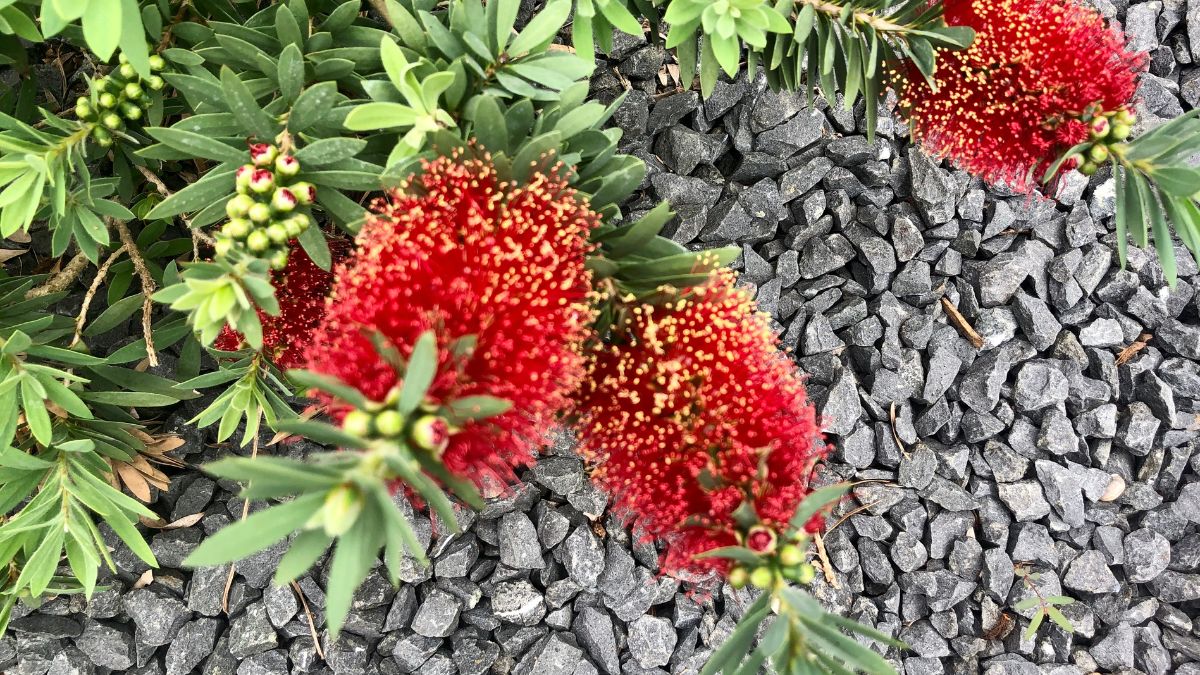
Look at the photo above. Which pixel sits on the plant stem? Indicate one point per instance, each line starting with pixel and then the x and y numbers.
pixel 148 287
pixel 833 9
pixel 91 293
pixel 62 280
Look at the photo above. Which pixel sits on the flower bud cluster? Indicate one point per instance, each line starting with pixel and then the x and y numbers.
pixel 423 430
pixel 264 215
pixel 780 562
pixel 118 98
pixel 1104 129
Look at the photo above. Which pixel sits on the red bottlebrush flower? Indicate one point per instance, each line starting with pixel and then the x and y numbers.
pixel 696 411
pixel 301 289
pixel 1009 105
pixel 462 254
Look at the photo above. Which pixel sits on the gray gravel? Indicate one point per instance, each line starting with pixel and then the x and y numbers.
pixel 1036 451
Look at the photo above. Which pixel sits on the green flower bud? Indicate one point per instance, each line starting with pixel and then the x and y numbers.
pixel 430 433
pixel 1125 116
pixel 223 246
pixel 102 136
pixel 131 112
pixel 762 577
pixel 259 213
pixel 157 62
pixel 287 166
pixel 106 100
pixel 1098 153
pixel 242 178
pixel 357 423
pixel 738 577
pixel 278 233
pixel 306 193
pixel 295 225
pixel 806 573
pixel 284 200
pixel 237 228
pixel 238 206
pixel 133 91
pixel 121 58
pixel 1099 128
pixel 112 120
pixel 279 259
pixel 127 71
pixel 342 506
pixel 389 423
pixel 83 109
pixel 1088 169
pixel 258 241
pixel 791 555
pixel 155 83
pixel 1120 132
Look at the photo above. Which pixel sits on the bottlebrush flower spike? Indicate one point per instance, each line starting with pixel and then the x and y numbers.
pixel 1009 105
pixel 459 253
pixel 301 288
pixel 694 412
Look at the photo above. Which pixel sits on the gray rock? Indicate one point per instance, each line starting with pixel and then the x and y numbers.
pixel 594 628
pixel 519 542
pixel 1039 384
pixel 583 557
pixel 1147 554
pixel 651 641
pixel 554 657
pixel 192 645
pixel 518 602
pixel 157 617
pixel 1025 500
pixel 252 633
pixel 437 616
pixel 107 645
pixel 1089 573
pixel 1115 651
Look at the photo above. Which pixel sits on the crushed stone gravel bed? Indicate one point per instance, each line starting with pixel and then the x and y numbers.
pixel 1037 451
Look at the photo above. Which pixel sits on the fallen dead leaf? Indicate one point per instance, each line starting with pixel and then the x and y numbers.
pixel 145 580
pixel 7 254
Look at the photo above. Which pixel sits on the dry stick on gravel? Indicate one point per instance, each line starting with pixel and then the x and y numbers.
pixel 245 513
pixel 962 324
pixel 91 294
pixel 826 566
pixel 62 280
pixel 148 286
pixel 312 625
pixel 895 434
pixel 1129 352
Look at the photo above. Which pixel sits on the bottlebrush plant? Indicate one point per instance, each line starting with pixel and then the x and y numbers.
pixel 134 178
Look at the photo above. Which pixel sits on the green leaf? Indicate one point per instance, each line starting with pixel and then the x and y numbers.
pixel 328 151
pixel 489 127
pixel 541 29
pixel 216 185
pixel 816 501
pixel 196 144
pixel 35 411
pixel 738 553
pixel 352 560
pixel 1162 236
pixel 311 106
pixel 1034 624
pixel 291 70
pixel 245 108
pixel 1122 211
pixel 306 549
pixel 620 17
pixel 258 531
pixel 328 383
pixel 1027 603
pixel 320 432
pixel 422 367
pixel 738 643
pixel 101 21
pixel 1057 617
pixel 478 407
pixel 380 115
pixel 1177 180
pixel 502 16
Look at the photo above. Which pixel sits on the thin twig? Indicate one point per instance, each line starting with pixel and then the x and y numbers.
pixel 245 514
pixel 853 512
pixel 962 324
pixel 166 192
pixel 63 279
pixel 312 624
pixel 148 286
pixel 826 566
pixel 91 294
pixel 1128 353
pixel 896 434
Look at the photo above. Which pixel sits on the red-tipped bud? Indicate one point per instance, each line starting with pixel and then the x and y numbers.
pixel 262 154
pixel 286 165
pixel 761 539
pixel 306 193
pixel 262 181
pixel 242 179
pixel 259 213
pixel 430 433
pixel 284 200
